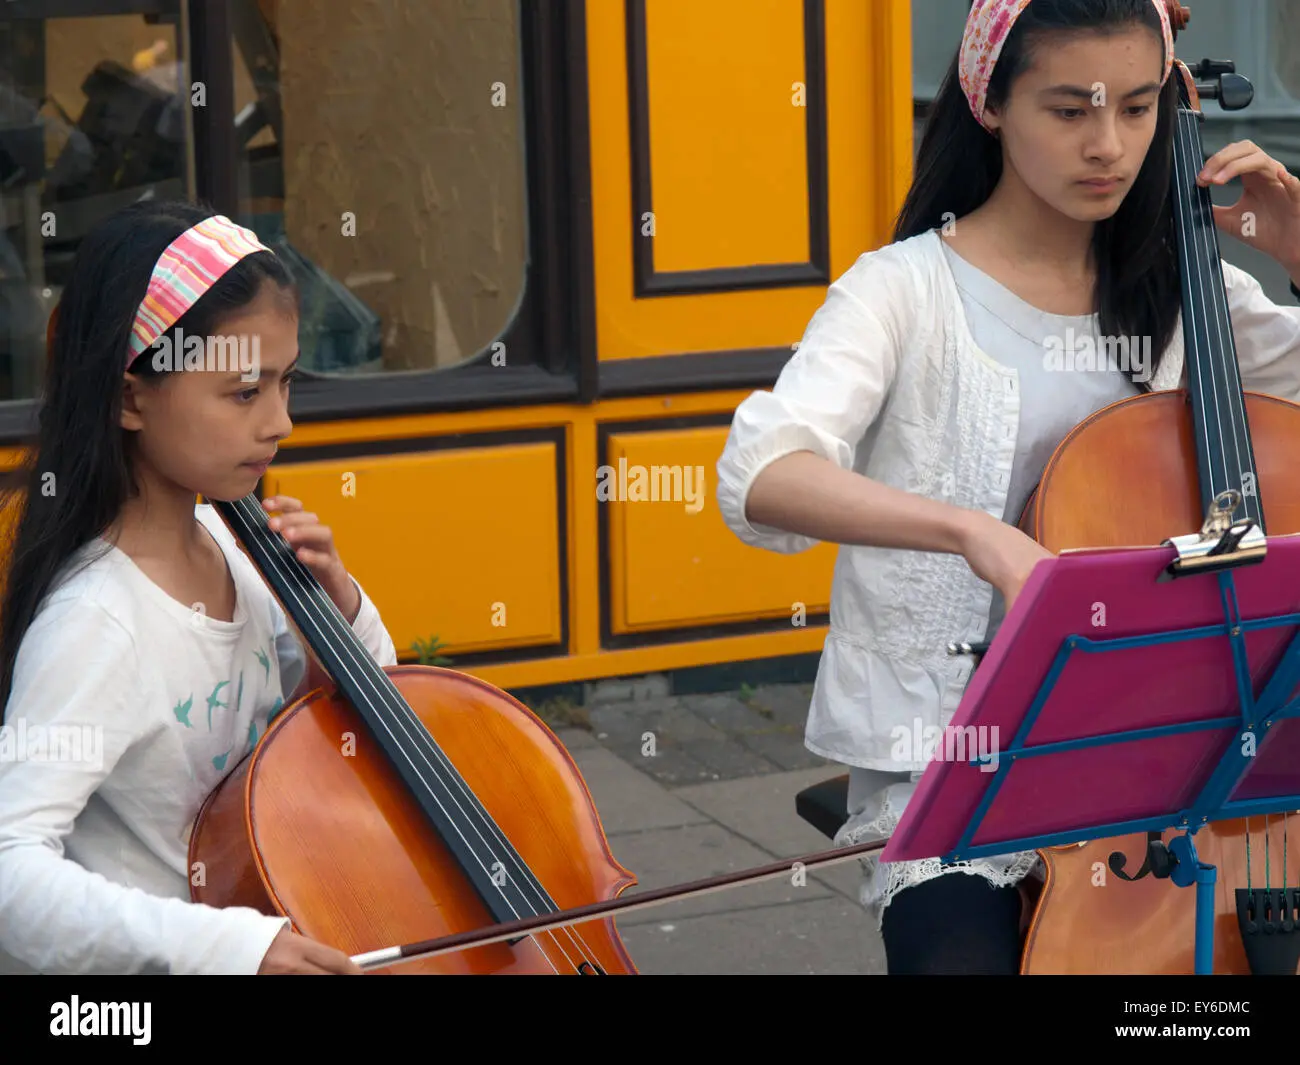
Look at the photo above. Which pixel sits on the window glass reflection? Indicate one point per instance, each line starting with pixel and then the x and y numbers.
pixel 382 151
pixel 90 120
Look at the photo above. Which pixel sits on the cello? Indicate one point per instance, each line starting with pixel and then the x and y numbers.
pixel 1204 454
pixel 353 820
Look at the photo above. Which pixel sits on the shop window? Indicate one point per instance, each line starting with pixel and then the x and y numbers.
pixel 90 121
pixel 382 150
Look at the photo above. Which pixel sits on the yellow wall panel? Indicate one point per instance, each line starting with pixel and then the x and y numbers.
pixel 458 544
pixel 728 148
pixel 673 561
pixel 869 160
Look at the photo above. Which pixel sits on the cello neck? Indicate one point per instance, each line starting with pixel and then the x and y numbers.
pixel 343 656
pixel 502 880
pixel 1224 453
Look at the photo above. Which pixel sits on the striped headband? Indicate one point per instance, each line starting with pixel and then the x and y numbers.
pixel 987 29
pixel 192 264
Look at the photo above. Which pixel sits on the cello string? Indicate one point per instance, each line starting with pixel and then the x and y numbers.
pixel 1200 410
pixel 1218 298
pixel 334 620
pixel 1229 364
pixel 1190 237
pixel 349 644
pixel 1225 349
pixel 1232 370
pixel 1198 241
pixel 1248 857
pixel 329 611
pixel 1199 340
pixel 1268 871
pixel 1245 451
pixel 1251 500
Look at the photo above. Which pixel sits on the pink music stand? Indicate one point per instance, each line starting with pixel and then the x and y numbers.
pixel 1126 696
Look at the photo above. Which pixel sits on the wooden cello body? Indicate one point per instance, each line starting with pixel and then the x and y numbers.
pixel 1141 472
pixel 412 802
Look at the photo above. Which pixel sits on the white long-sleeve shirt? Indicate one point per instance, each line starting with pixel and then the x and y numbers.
pixel 923 373
pixel 128 708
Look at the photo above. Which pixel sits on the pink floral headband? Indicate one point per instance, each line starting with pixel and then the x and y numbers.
pixel 192 264
pixel 987 29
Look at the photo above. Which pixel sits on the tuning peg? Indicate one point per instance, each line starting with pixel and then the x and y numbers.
pixel 1233 92
pixel 1212 68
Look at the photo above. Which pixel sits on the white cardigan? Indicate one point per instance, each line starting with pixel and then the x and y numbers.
pixel 887 382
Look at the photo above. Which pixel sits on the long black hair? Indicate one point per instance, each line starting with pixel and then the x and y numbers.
pixel 959 165
pixel 78 471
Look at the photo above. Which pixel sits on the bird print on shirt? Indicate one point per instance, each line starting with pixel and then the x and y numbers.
pixel 214 702
pixel 219 762
pixel 182 708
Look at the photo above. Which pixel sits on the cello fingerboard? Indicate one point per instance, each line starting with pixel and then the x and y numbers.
pixel 1224 451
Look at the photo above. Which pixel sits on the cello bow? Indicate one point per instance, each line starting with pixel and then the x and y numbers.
pixel 794 867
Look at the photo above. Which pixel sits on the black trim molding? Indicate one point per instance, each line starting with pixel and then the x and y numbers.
pixel 212 62
pixel 649 282
pixel 581 263
pixel 704 372
pixel 45 9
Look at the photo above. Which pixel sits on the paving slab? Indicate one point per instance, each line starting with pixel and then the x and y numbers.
pixel 672 856
pixel 576 739
pixel 784 748
pixel 696 785
pixel 728 759
pixel 816 937
pixel 663 718
pixel 670 766
pixel 756 728
pixel 628 800
pixel 783 704
pixel 726 712
pixel 761 810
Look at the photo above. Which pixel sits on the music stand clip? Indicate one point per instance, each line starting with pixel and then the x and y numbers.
pixel 1221 543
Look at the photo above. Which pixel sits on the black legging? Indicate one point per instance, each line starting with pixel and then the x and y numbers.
pixel 954 924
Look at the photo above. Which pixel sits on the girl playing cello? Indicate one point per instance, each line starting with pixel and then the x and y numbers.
pixel 139 643
pixel 1032 280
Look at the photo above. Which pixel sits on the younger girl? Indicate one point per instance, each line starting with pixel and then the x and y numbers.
pixel 142 657
pixel 927 396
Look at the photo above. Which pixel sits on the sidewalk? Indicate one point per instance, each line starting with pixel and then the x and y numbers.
pixel 693 786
